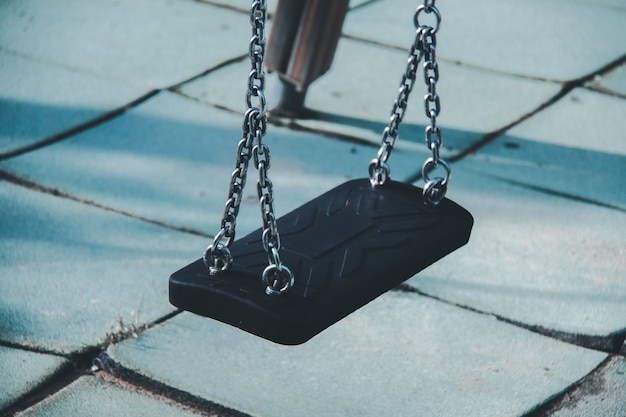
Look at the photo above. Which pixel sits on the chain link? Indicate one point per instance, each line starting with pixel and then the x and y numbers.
pixel 379 171
pixel 277 277
pixel 434 188
pixel 424 46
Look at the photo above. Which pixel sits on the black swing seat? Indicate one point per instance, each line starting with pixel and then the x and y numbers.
pixel 345 248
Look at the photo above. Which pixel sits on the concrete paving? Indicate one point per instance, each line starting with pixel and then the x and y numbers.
pixel 73 275
pixel 554 40
pixel 177 169
pixel 26 370
pixel 552 264
pixel 600 395
pixel 356 78
pixel 68 62
pixel 118 131
pixel 400 353
pixel 97 397
pixel 539 154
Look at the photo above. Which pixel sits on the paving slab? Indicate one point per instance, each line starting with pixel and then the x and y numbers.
pixel 170 159
pixel 355 97
pixel 22 371
pixel 575 147
pixel 534 258
pixel 154 44
pixel 73 274
pixel 555 39
pixel 67 63
pixel 400 355
pixel 39 100
pixel 94 397
pixel 600 394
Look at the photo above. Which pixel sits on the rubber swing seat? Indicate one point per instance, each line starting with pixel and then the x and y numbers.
pixel 345 248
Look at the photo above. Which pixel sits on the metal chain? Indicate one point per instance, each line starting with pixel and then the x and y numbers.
pixel 424 46
pixel 277 277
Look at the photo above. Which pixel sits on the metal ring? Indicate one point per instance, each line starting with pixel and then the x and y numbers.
pixel 278 279
pixel 434 191
pixel 217 258
pixel 430 164
pixel 379 172
pixel 428 10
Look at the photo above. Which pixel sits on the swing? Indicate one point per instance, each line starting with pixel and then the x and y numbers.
pixel 337 252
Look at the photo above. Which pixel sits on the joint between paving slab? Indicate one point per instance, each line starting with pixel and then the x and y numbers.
pixel 364 4
pixel 129 378
pixel 78 365
pixel 605 69
pixel 294 125
pixel 565 90
pixel 286 122
pixel 128 331
pixel 223 6
pixel 491 136
pixel 573 394
pixel 79 128
pixel 176 88
pixel 557 193
pixel 31 185
pixel 611 343
pixel 452 61
pixel 32 349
